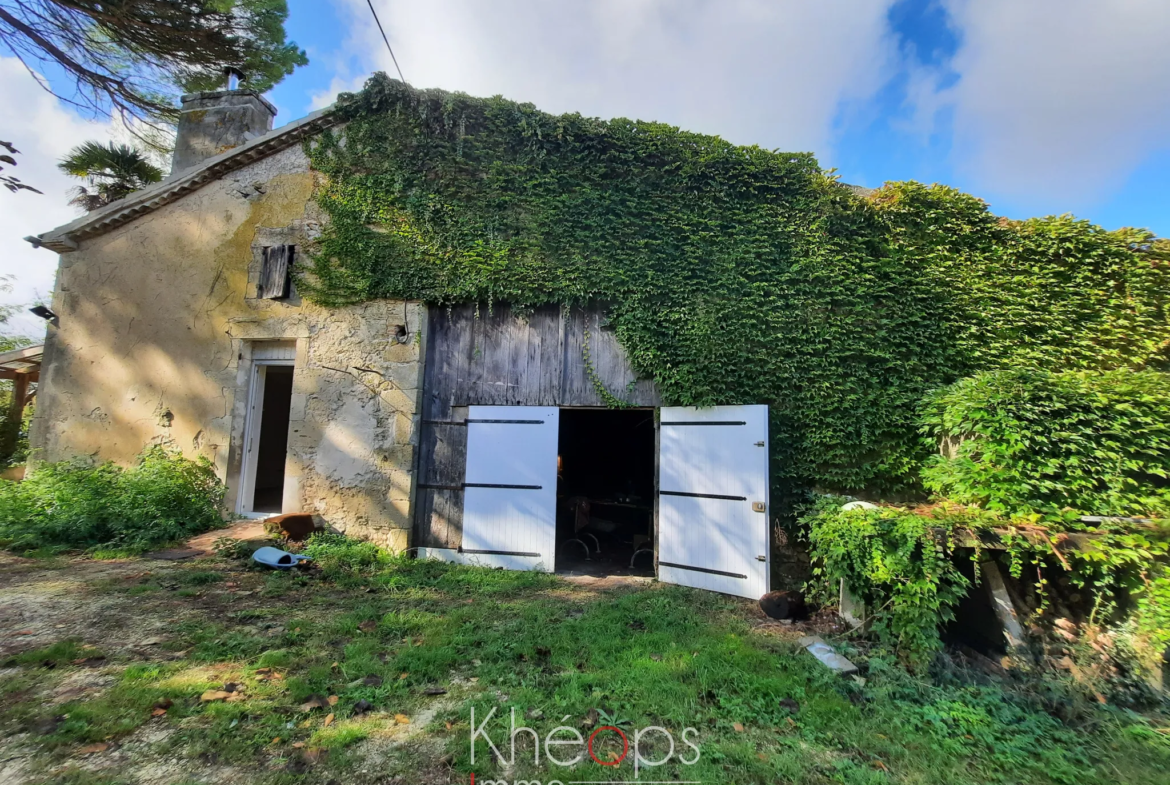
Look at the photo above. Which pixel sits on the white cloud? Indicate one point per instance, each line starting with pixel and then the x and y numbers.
pixel 1058 98
pixel 770 72
pixel 338 84
pixel 43 130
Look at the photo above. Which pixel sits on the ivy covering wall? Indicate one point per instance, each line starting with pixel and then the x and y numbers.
pixel 1024 441
pixel 731 274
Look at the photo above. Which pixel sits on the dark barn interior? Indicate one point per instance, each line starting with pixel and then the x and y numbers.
pixel 605 492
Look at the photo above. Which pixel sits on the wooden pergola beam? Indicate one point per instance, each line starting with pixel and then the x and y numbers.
pixel 22 367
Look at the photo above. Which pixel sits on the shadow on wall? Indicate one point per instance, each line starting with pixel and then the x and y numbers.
pixel 151 352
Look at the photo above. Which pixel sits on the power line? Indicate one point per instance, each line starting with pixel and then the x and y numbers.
pixel 387 40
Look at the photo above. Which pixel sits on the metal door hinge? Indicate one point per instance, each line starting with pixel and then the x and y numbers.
pixel 759 507
pixel 759 444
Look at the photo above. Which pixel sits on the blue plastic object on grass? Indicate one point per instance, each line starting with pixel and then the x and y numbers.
pixel 277 559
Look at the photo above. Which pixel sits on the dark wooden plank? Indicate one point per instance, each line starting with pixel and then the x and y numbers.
pixel 475 362
pixel 533 342
pixel 487 342
pixel 575 388
pixel 497 356
pixel 448 469
pixel 447 516
pixel 452 462
pixel 448 455
pixel 552 355
pixel 275 263
pixel 518 331
pixel 424 534
pixel 441 454
pixel 464 349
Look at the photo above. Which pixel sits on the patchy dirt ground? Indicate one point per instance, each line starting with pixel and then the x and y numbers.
pixel 121 614
pixel 44 603
pixel 363 670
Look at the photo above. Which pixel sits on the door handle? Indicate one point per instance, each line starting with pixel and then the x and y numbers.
pixel 759 507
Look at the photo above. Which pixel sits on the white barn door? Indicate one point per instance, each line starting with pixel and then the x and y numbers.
pixel 713 499
pixel 510 490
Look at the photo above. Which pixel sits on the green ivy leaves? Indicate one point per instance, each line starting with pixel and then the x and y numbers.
pixel 1036 441
pixel 731 274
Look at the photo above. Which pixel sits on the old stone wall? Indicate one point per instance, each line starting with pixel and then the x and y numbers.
pixel 158 320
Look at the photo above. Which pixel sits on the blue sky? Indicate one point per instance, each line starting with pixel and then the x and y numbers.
pixel 874 137
pixel 1037 106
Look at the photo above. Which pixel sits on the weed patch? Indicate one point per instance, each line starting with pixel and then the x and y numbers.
pixel 117 512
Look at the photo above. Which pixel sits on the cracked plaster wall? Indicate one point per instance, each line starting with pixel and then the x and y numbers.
pixel 157 323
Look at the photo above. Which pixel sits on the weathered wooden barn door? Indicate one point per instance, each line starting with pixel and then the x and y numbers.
pixel 713 499
pixel 510 490
pixel 480 356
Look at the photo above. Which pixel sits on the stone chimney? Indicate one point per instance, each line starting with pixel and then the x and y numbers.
pixel 211 123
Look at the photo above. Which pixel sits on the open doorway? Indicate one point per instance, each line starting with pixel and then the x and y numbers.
pixel 605 492
pixel 266 438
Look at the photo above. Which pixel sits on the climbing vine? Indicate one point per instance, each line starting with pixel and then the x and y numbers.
pixel 730 274
pixel 1042 465
pixel 610 400
pixel 903 563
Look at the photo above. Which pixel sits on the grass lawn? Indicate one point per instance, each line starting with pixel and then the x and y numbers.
pixel 366 669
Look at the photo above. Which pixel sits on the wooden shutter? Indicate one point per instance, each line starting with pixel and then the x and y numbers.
pixel 274 272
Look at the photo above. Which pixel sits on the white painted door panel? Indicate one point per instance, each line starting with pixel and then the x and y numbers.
pixel 712 469
pixel 510 489
pixel 247 494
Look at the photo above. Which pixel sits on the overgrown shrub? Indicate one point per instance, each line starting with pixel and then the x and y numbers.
pixel 75 505
pixel 1025 441
pixel 902 563
pixel 893 562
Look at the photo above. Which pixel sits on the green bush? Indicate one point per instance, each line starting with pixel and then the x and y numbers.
pixel 892 561
pixel 339 556
pixel 1025 441
pixel 74 505
pixel 903 564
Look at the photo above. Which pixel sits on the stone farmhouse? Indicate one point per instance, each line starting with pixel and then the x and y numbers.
pixel 466 434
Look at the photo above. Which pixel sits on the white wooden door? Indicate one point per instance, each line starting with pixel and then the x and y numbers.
pixel 252 439
pixel 510 490
pixel 713 499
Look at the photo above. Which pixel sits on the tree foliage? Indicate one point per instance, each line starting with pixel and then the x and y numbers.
pixel 111 170
pixel 731 274
pixel 10 181
pixel 128 57
pixel 1025 441
pixel 8 342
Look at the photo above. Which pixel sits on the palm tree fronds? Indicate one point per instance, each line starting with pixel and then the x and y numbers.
pixel 113 171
